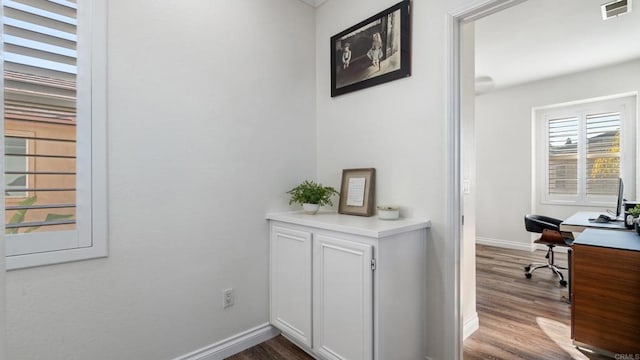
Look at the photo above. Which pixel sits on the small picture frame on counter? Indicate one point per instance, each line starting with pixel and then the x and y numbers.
pixel 357 192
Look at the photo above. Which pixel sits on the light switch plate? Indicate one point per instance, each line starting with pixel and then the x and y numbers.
pixel 466 186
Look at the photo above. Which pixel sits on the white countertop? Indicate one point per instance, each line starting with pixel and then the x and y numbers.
pixel 351 224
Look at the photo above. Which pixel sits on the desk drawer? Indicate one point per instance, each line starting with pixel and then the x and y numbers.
pixel 606 298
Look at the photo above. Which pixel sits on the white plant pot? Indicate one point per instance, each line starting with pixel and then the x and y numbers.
pixel 386 212
pixel 310 208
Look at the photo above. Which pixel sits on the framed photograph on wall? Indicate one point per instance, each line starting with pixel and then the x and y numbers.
pixel 357 191
pixel 372 52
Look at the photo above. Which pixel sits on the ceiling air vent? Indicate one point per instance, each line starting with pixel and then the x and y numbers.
pixel 615 8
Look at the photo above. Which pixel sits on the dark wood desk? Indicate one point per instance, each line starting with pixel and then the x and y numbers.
pixel 605 286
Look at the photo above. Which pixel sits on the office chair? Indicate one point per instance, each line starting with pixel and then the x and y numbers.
pixel 551 237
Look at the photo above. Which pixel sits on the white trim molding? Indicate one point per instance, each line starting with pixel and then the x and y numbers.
pixel 234 344
pixel 507 244
pixel 517 245
pixel 470 326
pixel 452 313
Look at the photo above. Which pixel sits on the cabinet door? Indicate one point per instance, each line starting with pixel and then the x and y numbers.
pixel 290 276
pixel 343 299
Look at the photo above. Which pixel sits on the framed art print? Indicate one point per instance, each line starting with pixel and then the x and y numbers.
pixel 372 52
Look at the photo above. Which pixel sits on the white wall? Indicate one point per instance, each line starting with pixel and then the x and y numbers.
pixel 398 128
pixel 211 120
pixel 503 121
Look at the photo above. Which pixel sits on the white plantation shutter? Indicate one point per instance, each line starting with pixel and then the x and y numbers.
pixel 53 104
pixel 40 35
pixel 563 156
pixel 603 153
pixel 40 66
pixel 587 147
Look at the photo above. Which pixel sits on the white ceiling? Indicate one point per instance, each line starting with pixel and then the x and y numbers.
pixel 545 38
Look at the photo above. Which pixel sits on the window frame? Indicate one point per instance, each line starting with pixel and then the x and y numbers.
pixel 28 167
pixel 91 234
pixel 625 104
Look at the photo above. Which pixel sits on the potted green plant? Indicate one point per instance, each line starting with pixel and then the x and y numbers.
pixel 635 213
pixel 311 195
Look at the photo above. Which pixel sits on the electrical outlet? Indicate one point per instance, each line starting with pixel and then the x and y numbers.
pixel 227 298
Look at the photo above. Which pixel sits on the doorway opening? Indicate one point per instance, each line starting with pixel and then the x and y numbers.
pixel 503 214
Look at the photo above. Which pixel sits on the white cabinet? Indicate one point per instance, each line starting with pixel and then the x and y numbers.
pixel 342 298
pixel 291 282
pixel 347 287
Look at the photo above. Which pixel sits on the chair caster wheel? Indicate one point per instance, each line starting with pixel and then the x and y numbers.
pixel 528 275
pixel 527 268
pixel 563 283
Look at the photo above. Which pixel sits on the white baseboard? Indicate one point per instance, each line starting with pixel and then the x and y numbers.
pixel 507 244
pixel 470 326
pixel 233 345
pixel 516 245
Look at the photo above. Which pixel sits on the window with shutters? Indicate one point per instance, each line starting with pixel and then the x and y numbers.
pixel 54 106
pixel 586 147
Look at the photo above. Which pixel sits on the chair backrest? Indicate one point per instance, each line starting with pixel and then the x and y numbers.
pixel 537 223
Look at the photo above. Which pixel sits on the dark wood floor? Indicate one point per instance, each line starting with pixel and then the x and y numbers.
pixel 277 348
pixel 519 318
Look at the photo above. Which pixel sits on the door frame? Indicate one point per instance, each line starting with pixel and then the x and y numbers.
pixel 453 209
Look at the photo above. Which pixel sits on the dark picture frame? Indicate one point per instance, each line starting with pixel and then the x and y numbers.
pixel 357 192
pixel 374 51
